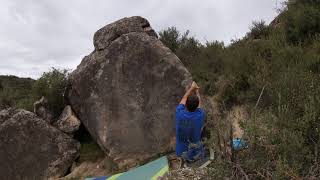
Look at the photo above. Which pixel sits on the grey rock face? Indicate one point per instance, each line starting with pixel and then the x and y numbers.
pixel 5 114
pixel 68 122
pixel 126 91
pixel 40 108
pixel 32 149
pixel 106 35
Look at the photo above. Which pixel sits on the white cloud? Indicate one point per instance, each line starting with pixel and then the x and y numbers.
pixel 36 35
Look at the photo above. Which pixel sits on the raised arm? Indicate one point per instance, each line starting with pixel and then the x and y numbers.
pixel 193 88
pixel 198 94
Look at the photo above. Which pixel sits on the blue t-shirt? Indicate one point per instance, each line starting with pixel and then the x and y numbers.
pixel 188 130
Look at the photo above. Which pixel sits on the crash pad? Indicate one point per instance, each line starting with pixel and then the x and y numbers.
pixel 151 171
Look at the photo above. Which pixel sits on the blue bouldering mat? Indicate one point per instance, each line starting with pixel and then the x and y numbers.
pixel 150 171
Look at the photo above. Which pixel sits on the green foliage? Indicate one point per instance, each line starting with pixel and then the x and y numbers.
pixel 196 57
pixel 15 92
pixel 170 38
pixel 283 130
pixel 219 169
pixel 52 85
pixel 23 92
pixel 259 30
pixel 303 21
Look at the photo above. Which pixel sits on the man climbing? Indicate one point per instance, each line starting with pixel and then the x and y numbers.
pixel 189 124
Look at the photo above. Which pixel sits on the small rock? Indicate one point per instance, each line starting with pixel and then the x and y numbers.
pixel 68 122
pixel 88 169
pixel 40 108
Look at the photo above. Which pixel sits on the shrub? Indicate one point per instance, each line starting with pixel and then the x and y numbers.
pixel 52 85
pixel 303 21
pixel 258 30
pixel 283 130
pixel 6 99
pixel 15 92
pixel 170 37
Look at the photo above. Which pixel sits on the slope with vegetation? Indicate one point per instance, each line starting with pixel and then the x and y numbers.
pixel 280 62
pixel 23 92
pixel 15 91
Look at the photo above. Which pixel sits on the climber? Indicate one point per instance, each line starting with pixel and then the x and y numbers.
pixel 189 123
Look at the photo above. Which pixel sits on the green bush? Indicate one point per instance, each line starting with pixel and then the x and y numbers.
pixel 6 99
pixel 259 30
pixel 170 37
pixel 23 92
pixel 203 61
pixel 303 21
pixel 52 85
pixel 15 92
pixel 283 129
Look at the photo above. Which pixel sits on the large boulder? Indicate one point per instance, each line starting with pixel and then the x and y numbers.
pixel 32 149
pixel 126 91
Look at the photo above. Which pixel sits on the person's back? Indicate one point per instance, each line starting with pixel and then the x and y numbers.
pixel 189 123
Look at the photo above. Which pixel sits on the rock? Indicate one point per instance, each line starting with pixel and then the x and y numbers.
pixel 188 173
pixel 237 115
pixel 5 114
pixel 96 168
pixel 30 148
pixel 106 35
pixel 126 91
pixel 40 108
pixel 68 122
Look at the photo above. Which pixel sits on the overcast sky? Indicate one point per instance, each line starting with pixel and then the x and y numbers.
pixel 38 34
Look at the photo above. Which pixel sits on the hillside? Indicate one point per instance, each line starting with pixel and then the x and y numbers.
pixel 273 73
pixel 15 91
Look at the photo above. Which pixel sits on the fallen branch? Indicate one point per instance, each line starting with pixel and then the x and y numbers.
pixel 260 97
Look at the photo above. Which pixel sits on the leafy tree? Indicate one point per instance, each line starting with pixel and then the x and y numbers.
pixel 170 37
pixel 258 30
pixel 52 85
pixel 15 92
pixel 303 20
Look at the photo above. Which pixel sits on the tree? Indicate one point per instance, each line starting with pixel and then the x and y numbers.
pixel 170 37
pixel 303 21
pixel 52 85
pixel 258 30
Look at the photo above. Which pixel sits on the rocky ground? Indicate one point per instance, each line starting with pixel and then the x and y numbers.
pixel 187 173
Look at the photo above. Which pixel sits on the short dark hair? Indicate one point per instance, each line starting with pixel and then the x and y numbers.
pixel 192 103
